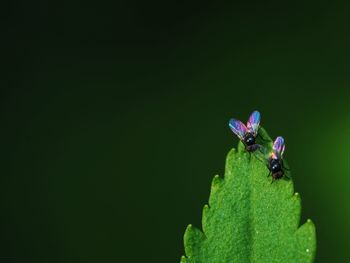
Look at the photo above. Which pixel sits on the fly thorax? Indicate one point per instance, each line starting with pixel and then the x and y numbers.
pixel 249 139
pixel 275 165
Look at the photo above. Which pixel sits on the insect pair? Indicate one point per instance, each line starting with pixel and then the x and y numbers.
pixel 248 135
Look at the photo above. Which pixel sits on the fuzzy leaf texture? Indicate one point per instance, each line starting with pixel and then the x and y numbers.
pixel 248 219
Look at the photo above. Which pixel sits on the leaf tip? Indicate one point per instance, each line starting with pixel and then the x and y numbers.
pixel 216 181
pixel 189 227
pixel 311 224
pixel 193 239
pixel 306 235
pixel 297 197
pixel 205 215
pixel 216 184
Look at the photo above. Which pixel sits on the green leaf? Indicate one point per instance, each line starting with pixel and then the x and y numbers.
pixel 249 219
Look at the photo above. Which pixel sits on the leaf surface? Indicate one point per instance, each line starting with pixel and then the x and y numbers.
pixel 248 219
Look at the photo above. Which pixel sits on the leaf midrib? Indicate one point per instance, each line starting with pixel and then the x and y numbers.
pixel 250 213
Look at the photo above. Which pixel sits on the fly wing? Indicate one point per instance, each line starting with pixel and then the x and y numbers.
pixel 278 148
pixel 238 128
pixel 253 123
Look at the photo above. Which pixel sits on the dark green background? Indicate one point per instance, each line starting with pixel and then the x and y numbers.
pixel 114 119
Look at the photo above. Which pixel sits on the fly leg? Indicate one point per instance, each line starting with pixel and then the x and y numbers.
pixel 269 174
pixel 284 168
